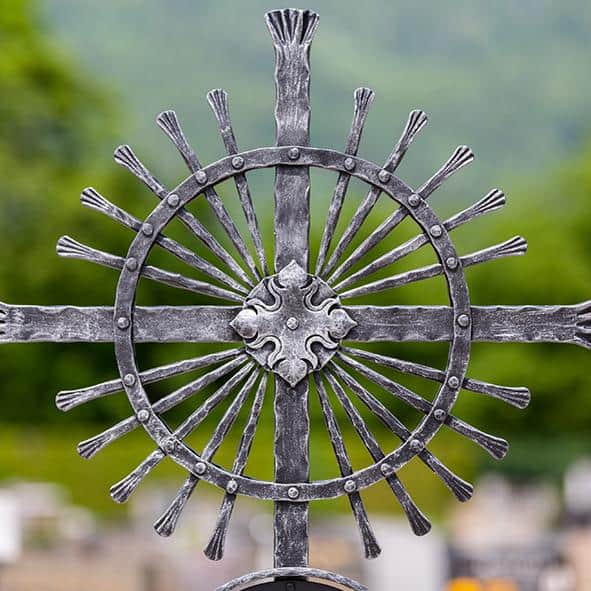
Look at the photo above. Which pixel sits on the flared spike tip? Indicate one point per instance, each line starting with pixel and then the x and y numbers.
pixel 495 446
pixel 125 157
pixel 94 200
pixel 461 489
pixel 518 397
pixel 370 544
pixel 583 332
pixel 218 101
pixel 168 521
pixel 416 121
pixel 68 399
pixel 122 490
pixel 363 98
pixel 516 246
pixel 292 27
pixel 462 156
pixel 216 545
pixel 492 201
pixel 169 123
pixel 70 248
pixel 90 447
pixel 418 522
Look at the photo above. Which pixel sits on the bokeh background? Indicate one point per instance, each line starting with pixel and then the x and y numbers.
pixel 508 79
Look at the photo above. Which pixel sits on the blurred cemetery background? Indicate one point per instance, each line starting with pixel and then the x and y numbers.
pixel 508 78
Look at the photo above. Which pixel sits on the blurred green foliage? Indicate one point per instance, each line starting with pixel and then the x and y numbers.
pixel 57 126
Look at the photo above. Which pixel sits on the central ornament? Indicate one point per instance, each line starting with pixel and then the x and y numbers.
pixel 292 323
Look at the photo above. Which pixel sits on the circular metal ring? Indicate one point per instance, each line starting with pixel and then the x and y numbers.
pixel 220 171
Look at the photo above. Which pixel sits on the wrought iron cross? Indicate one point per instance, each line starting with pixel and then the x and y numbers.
pixel 290 321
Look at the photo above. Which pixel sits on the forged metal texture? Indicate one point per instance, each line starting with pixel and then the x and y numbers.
pixel 242 583
pixel 277 491
pixel 291 324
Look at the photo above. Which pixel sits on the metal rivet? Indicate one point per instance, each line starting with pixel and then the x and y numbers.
pixel 170 444
pixel 231 487
pixel 123 322
pixel 147 229
pixel 386 469
pixel 436 231
pixel 416 445
pixel 452 263
pixel 384 176
pixel 350 486
pixel 440 414
pixel 173 200
pixel 293 153
pixel 131 264
pixel 464 320
pixel 237 162
pixel 414 200
pixel 200 468
pixel 349 163
pixel 293 492
pixel 129 379
pixel 292 323
pixel 453 382
pixel 201 177
pixel 143 415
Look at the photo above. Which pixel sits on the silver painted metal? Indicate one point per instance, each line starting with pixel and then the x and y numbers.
pixel 291 324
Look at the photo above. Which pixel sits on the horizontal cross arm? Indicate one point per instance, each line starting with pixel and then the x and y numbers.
pixel 517 324
pixel 70 324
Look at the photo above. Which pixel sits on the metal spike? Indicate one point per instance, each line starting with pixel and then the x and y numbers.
pixel 125 157
pixel 460 158
pixel 292 27
pixel 121 491
pixel 168 521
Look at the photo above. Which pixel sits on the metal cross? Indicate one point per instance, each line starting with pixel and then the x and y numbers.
pixel 290 321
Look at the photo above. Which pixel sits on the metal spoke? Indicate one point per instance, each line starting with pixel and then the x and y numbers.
pixel 94 200
pixel 495 446
pixel 166 524
pixel 88 448
pixel 126 158
pixel 69 248
pixel 121 491
pixel 416 121
pixel 215 547
pixel 69 399
pixel 363 97
pixel 169 123
pixel 370 544
pixel 519 397
pixel 514 247
pixel 418 522
pixel 461 489
pixel 218 100
pixel 493 201
pixel 460 158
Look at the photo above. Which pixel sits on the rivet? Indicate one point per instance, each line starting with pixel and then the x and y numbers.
pixel 231 487
pixel 384 176
pixel 416 445
pixel 294 154
pixel 173 200
pixel 237 162
pixel 293 492
pixel 292 323
pixel 170 444
pixel 129 379
pixel 131 264
pixel 386 469
pixel 464 320
pixel 147 229
pixel 453 382
pixel 200 468
pixel 452 263
pixel 123 322
pixel 414 200
pixel 350 486
pixel 440 414
pixel 201 177
pixel 436 231
pixel 349 163
pixel 143 415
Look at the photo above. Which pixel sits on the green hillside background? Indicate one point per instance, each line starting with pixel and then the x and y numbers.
pixel 509 79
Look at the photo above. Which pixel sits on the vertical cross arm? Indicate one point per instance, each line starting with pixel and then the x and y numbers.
pixel 292 32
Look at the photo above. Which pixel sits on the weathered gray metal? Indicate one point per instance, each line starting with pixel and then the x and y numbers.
pixel 289 323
